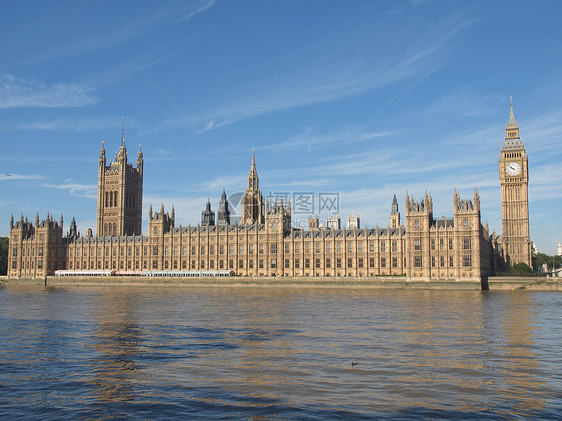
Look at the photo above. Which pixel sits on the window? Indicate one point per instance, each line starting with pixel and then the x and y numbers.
pixel 450 244
pixel 394 262
pixel 307 247
pixel 287 248
pixel 212 250
pixel 297 263
pixel 338 263
pixel 372 246
pixel 261 263
pixel 154 251
pixel 467 261
pixel 383 262
pixel 251 263
pixel 166 251
pixel 417 261
pixel 360 247
pixel 297 248
pixel 317 263
pixel 318 248
pixel 371 262
pixel 432 261
pixel 202 264
pixel 417 224
pixel 287 263
pixel 442 261
pixel 432 244
pixel 221 249
pixel 360 262
pixel 241 263
pixel 231 250
pixel 465 223
pixel 441 244
pixel 273 248
pixel 261 248
pixel 350 262
pixel 328 263
pixel 328 247
pixel 395 246
pixel 250 249
pixel 241 249
pixel 307 263
pixel 184 250
pixel 417 244
pixel 383 246
pixel 273 263
pixel 451 261
pixel 193 250
pixel 350 247
pixel 466 245
pixel 338 247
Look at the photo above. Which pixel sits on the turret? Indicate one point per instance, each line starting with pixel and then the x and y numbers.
pixel 394 214
pixel 140 161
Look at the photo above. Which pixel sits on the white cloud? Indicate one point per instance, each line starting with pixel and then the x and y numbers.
pixel 16 93
pixel 78 190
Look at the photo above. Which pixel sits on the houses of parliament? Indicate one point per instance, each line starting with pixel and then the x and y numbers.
pixel 265 243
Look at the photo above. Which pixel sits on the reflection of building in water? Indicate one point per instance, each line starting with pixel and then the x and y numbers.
pixel 263 352
pixel 432 352
pixel 116 338
pixel 523 385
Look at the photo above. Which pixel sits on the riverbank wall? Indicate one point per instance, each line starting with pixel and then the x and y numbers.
pixel 381 282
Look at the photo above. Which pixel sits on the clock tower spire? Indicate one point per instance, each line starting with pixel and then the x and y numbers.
pixel 514 181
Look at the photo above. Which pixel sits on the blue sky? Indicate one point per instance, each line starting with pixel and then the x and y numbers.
pixel 364 99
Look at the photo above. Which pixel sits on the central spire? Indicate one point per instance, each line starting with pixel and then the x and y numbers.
pixel 252 202
pixel 253 181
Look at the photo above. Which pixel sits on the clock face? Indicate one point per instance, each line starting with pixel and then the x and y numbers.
pixel 513 168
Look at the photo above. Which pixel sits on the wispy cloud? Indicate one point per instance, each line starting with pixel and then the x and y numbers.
pixel 125 31
pixel 346 78
pixel 78 190
pixel 311 139
pixel 74 125
pixel 16 93
pixel 11 177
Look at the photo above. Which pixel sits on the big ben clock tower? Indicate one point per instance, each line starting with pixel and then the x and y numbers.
pixel 514 181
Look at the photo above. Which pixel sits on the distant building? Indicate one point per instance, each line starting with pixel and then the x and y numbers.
pixel 353 221
pixel 559 252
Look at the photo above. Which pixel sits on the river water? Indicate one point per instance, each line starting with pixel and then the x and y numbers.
pixel 274 353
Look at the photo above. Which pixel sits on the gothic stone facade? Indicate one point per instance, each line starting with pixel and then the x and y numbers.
pixel 264 243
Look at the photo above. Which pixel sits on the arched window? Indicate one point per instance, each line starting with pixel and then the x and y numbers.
pixel 110 199
pixel 106 201
pixel 114 228
pixel 105 228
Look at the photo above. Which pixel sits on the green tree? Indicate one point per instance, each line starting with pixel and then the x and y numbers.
pixel 3 255
pixel 540 259
pixel 520 269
